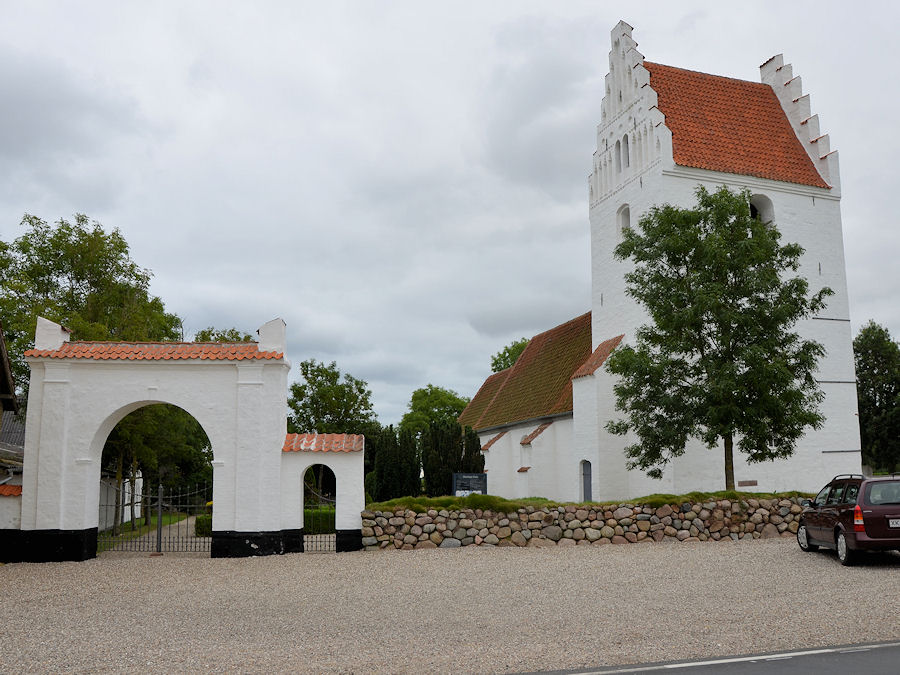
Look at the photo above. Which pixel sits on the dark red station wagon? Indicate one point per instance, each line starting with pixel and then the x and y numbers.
pixel 851 514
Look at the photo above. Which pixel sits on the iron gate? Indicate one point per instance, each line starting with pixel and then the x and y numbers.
pixel 167 521
pixel 318 526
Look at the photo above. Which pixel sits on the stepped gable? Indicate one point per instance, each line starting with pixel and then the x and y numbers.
pixel 729 125
pixel 539 384
pixel 156 351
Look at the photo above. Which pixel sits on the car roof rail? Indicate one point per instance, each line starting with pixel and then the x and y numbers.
pixel 849 475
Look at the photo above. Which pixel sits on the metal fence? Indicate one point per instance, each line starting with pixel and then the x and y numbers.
pixel 167 521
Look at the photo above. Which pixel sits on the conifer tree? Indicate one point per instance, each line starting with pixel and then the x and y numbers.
pixel 408 455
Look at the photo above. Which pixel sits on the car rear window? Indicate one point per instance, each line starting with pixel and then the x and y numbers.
pixel 883 492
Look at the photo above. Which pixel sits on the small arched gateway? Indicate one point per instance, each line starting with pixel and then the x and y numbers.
pixel 237 392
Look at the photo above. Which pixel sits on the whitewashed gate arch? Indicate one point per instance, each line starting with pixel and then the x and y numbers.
pixel 237 392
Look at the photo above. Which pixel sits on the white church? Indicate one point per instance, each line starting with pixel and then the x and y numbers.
pixel 664 131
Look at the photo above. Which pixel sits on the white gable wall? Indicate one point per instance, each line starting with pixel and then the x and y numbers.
pixel 550 457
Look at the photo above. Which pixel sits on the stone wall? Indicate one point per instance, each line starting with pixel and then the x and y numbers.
pixel 586 524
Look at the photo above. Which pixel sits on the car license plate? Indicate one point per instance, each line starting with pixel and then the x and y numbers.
pixel 893 522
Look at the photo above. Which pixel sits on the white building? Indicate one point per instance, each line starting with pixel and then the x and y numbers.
pixel 663 132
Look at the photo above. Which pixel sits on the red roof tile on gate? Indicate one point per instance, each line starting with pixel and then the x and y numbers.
pixel 156 351
pixel 10 490
pixel 735 126
pixel 323 443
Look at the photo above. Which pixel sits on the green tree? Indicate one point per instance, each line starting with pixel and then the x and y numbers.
pixel 79 275
pixel 410 465
pixel 506 357
pixel 432 404
pixel 222 335
pixel 719 359
pixel 877 358
pixel 448 448
pixel 386 465
pixel 329 403
pixel 396 464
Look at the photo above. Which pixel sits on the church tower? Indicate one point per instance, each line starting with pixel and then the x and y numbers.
pixel 663 131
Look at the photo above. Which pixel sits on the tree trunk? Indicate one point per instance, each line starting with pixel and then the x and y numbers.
pixel 117 516
pixel 729 462
pixel 133 494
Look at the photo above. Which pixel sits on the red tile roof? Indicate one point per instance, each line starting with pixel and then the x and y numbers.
pixel 10 490
pixel 540 382
pixel 323 443
pixel 156 351
pixel 487 446
pixel 734 126
pixel 526 440
pixel 598 358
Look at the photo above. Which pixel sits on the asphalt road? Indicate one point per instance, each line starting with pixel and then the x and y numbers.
pixel 872 659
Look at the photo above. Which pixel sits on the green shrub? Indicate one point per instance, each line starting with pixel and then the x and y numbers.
pixel 492 503
pixel 203 525
pixel 318 520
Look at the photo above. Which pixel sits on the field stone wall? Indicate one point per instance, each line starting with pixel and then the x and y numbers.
pixel 582 525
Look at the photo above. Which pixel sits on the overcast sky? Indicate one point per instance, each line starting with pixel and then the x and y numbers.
pixel 405 184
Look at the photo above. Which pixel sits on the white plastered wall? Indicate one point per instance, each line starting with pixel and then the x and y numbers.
pixel 74 404
pixel 10 512
pixel 350 497
pixel 549 458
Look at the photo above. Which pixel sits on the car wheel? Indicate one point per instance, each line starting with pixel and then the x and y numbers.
pixel 846 555
pixel 803 540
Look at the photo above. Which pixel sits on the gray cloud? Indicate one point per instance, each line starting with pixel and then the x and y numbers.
pixel 405 187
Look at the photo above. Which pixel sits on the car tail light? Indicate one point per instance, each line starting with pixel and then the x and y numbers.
pixel 858 524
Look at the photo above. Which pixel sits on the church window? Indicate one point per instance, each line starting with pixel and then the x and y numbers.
pixel 623 219
pixel 618 157
pixel 626 156
pixel 761 207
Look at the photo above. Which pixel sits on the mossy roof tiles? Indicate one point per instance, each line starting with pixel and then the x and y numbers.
pixel 539 384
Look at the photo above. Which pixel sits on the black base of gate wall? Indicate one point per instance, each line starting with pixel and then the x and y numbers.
pixel 231 544
pixel 47 545
pixel 348 540
pixel 293 541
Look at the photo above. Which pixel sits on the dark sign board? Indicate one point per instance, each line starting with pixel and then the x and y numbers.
pixel 465 484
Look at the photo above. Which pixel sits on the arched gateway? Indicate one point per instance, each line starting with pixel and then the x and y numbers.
pixel 237 392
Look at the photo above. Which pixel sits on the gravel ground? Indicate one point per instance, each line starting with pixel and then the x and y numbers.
pixel 465 610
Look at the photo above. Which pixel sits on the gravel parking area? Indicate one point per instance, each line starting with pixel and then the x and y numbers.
pixel 465 610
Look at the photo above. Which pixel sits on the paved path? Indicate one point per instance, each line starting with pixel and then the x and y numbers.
pixel 470 610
